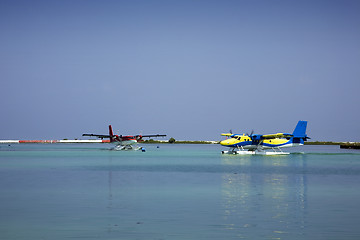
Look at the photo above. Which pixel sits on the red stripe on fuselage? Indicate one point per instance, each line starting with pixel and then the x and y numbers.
pixel 127 138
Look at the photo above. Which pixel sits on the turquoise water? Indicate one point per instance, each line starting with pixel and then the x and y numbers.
pixel 86 191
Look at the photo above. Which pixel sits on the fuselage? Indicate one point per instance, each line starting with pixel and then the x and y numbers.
pixel 245 142
pixel 125 140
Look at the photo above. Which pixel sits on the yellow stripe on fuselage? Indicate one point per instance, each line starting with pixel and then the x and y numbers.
pixel 238 139
pixel 276 141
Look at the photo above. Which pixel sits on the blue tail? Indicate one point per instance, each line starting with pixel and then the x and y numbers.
pixel 299 134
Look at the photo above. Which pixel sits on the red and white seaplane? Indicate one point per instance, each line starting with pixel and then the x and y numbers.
pixel 124 142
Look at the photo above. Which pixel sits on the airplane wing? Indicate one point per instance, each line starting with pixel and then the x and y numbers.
pixel 276 135
pixel 96 135
pixel 226 134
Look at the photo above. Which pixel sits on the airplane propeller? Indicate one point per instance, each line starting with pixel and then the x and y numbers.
pixel 252 132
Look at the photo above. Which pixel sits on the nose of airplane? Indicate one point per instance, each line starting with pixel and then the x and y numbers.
pixel 225 142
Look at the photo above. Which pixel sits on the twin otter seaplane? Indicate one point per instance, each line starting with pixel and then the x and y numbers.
pixel 258 144
pixel 124 142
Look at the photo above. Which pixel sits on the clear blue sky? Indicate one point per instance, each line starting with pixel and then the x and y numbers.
pixel 189 69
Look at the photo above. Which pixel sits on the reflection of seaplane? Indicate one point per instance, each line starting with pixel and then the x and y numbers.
pixel 257 143
pixel 123 142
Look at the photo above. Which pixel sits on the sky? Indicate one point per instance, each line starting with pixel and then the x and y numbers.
pixel 188 69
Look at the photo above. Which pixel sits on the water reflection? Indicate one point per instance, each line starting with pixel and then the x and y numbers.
pixel 267 193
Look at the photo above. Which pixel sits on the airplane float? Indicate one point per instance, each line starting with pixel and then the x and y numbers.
pixel 124 142
pixel 257 143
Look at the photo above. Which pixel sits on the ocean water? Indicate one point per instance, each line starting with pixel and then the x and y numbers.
pixel 86 191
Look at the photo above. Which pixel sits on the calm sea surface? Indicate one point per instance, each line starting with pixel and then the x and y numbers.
pixel 86 191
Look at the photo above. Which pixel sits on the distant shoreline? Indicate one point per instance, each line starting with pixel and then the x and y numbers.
pixel 347 145
pixel 180 142
pixel 323 143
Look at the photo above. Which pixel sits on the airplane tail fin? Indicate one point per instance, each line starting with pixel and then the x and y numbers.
pixel 299 134
pixel 111 134
pixel 300 129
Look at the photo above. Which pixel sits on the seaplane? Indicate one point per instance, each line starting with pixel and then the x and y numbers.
pixel 124 142
pixel 251 144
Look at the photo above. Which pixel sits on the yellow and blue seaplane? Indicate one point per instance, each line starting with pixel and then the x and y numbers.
pixel 252 144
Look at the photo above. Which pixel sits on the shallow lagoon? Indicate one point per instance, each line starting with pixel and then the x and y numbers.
pixel 60 191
